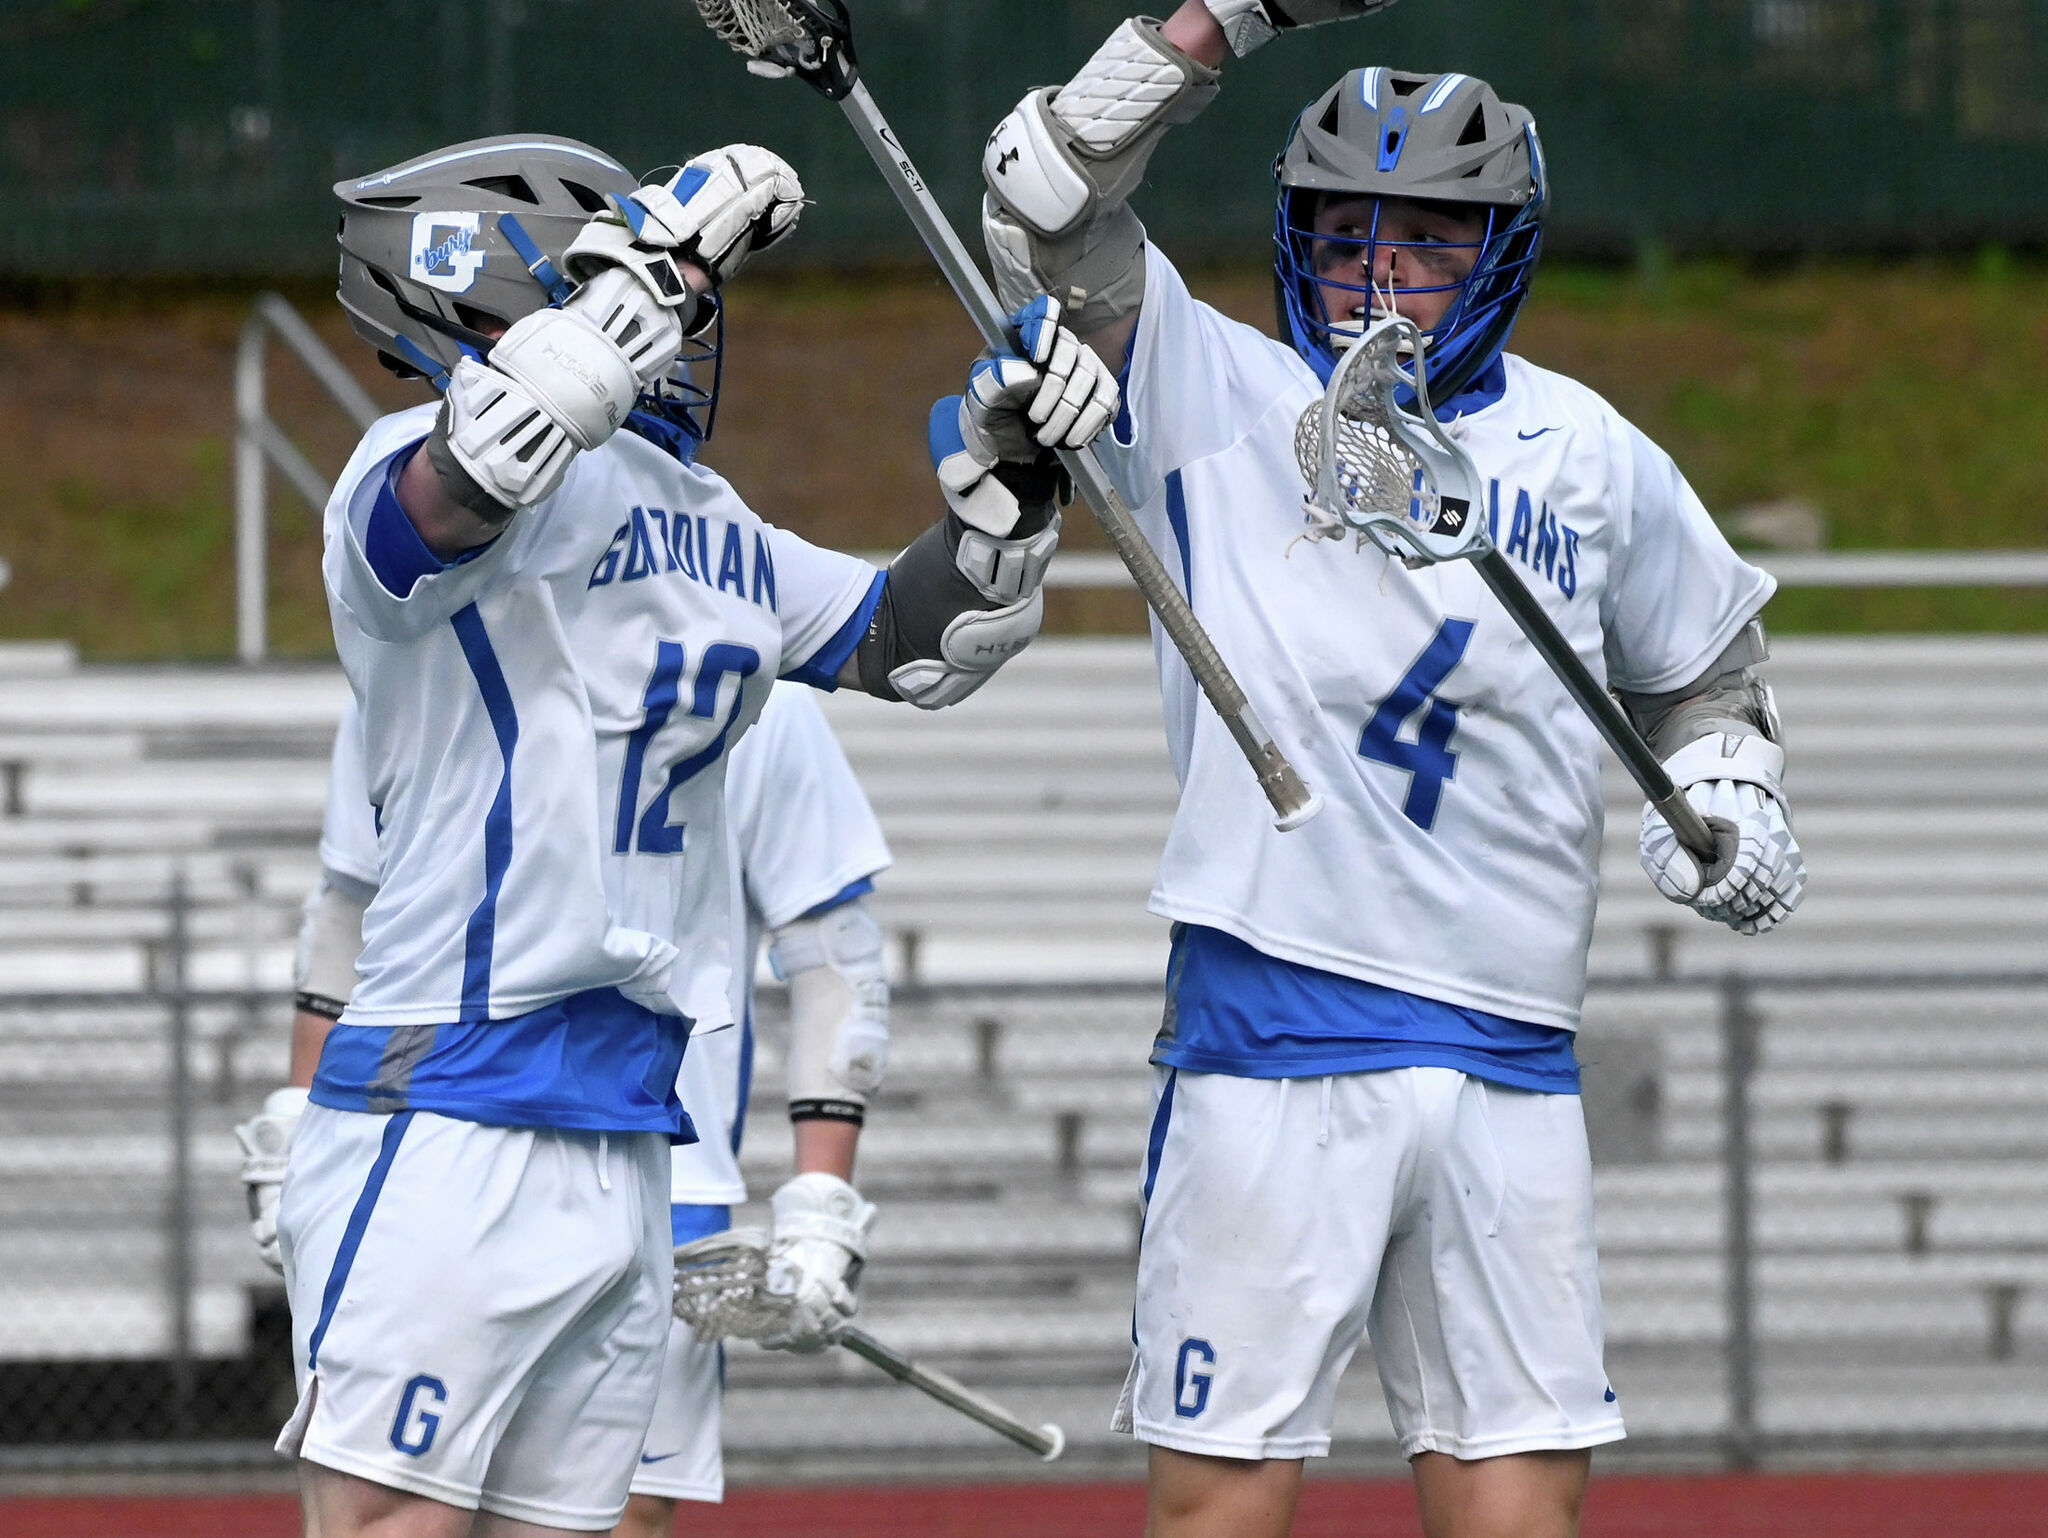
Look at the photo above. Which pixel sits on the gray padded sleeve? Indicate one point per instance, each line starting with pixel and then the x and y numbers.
pixel 929 588
pixel 1728 698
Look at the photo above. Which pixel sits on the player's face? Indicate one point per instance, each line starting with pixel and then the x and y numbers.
pixel 1419 254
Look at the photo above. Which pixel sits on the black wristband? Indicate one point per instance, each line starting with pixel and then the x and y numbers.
pixel 828 1110
pixel 318 1004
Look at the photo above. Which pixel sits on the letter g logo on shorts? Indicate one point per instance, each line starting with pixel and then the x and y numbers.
pixel 1191 1385
pixel 445 254
pixel 412 1431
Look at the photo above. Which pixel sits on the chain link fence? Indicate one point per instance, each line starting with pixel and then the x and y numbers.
pixel 1821 1201
pixel 202 135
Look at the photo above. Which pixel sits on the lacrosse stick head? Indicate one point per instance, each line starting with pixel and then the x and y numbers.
pixel 721 1287
pixel 1389 472
pixel 811 39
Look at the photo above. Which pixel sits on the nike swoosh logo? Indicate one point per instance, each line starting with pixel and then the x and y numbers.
pixel 1525 437
pixel 662 1459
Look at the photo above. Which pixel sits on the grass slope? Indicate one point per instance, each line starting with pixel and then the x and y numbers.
pixel 1908 401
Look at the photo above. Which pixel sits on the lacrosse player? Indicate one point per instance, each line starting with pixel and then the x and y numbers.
pixel 808 849
pixel 1367 1116
pixel 555 631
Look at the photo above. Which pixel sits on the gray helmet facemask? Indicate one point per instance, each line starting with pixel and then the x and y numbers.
pixel 1384 133
pixel 431 265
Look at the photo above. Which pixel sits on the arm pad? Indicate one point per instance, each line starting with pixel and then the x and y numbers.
pixel 1061 166
pixel 839 1011
pixel 1728 699
pixel 957 605
pixel 330 939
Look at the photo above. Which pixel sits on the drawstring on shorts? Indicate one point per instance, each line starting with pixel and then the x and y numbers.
pixel 1323 1119
pixel 604 1161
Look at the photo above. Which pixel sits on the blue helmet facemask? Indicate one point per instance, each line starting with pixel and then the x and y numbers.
pixel 1442 142
pixel 1320 271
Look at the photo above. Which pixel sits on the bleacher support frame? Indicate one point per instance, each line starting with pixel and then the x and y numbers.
pixel 260 443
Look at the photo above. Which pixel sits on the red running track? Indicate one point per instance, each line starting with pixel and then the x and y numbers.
pixel 1990 1505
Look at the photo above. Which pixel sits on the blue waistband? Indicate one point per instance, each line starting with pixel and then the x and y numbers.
pixel 595 1062
pixel 1230 1008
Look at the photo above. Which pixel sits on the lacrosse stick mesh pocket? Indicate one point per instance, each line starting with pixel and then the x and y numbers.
pixel 721 1287
pixel 751 27
pixel 1373 470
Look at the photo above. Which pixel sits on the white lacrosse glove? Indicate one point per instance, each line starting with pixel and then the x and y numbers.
pixel 1058 395
pixel 717 211
pixel 266 1140
pixel 1250 24
pixel 559 381
pixel 814 1260
pixel 1733 778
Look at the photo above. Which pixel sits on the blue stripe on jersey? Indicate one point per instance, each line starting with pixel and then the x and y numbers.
pixel 594 1062
pixel 352 1235
pixel 822 670
pixel 697 1220
pixel 1231 1008
pixel 1177 515
pixel 739 1115
pixel 1122 432
pixel 392 546
pixel 840 898
pixel 1155 1142
pixel 483 922
pixel 1155 1147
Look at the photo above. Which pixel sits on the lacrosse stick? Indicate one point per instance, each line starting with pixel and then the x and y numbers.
pixel 722 1290
pixel 813 40
pixel 1395 477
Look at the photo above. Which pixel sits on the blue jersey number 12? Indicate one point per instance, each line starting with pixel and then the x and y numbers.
pixel 1428 759
pixel 723 660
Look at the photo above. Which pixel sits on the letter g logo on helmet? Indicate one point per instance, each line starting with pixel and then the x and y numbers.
pixel 445 251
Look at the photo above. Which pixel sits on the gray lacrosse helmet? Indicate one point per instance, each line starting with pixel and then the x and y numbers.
pixel 1447 138
pixel 440 252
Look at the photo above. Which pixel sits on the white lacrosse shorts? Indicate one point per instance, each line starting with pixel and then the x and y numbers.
pixel 1285 1218
pixel 478 1313
pixel 682 1459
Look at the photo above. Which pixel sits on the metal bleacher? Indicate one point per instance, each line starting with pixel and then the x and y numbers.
pixel 1898 1114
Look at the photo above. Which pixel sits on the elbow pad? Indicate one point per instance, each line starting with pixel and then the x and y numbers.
pixel 839 1012
pixel 1061 167
pixel 330 940
pixel 957 605
pixel 1729 699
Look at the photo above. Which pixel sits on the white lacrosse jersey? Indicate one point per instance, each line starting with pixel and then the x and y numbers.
pixel 545 728
pixel 806 841
pixel 348 827
pixel 1456 858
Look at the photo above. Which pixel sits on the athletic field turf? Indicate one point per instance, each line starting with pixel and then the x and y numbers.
pixel 1990 1505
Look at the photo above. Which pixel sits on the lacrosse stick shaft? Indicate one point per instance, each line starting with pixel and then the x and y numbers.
pixel 1616 727
pixel 1047 1441
pixel 1293 803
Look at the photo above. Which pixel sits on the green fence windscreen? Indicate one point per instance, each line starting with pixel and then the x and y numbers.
pixel 202 135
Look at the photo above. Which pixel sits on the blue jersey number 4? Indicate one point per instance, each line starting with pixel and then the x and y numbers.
pixel 1428 759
